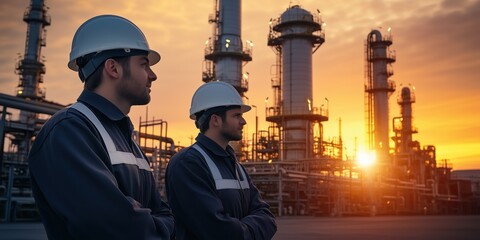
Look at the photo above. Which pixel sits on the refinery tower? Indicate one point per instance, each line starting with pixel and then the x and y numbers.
pixel 378 88
pixel 31 69
pixel 293 36
pixel 225 54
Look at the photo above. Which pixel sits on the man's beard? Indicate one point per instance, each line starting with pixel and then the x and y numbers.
pixel 229 135
pixel 135 98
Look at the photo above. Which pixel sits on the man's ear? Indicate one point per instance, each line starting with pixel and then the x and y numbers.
pixel 215 120
pixel 112 68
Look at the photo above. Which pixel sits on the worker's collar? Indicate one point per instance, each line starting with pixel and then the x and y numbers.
pixel 102 105
pixel 213 147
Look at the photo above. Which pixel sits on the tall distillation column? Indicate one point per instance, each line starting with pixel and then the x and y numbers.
pixel 31 67
pixel 293 36
pixel 224 51
pixel 403 126
pixel 378 89
pixel 407 159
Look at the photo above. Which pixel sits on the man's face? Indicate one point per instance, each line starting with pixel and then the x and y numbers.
pixel 232 128
pixel 135 87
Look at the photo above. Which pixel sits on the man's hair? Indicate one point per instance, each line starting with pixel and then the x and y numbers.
pixel 94 80
pixel 206 124
pixel 203 122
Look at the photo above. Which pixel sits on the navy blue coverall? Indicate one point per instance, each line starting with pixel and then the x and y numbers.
pixel 202 210
pixel 83 189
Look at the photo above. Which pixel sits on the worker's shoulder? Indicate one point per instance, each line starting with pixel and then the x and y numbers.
pixel 66 123
pixel 187 155
pixel 64 116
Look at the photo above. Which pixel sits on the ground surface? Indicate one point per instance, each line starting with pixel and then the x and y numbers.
pixel 349 228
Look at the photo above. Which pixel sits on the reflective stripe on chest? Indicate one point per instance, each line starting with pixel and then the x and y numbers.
pixel 220 182
pixel 116 157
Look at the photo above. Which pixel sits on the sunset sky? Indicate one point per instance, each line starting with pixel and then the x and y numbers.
pixel 437 46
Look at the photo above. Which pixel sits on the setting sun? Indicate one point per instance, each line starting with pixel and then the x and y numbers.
pixel 366 159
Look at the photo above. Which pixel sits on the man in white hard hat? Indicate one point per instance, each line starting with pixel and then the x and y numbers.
pixel 90 179
pixel 211 194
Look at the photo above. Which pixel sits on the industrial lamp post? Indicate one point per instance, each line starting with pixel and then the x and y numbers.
pixel 255 136
pixel 328 109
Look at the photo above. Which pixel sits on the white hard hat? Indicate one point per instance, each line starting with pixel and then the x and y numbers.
pixel 109 32
pixel 215 94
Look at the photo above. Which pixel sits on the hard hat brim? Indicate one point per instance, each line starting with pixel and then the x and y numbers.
pixel 244 108
pixel 153 58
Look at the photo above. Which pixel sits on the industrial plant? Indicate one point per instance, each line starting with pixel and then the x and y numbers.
pixel 297 170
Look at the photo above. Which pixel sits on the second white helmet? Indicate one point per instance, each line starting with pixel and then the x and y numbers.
pixel 215 94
